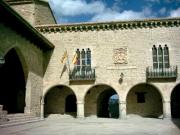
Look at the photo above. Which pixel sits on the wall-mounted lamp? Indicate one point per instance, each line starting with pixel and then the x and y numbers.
pixel 121 78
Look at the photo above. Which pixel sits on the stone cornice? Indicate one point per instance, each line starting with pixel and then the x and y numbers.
pixel 135 24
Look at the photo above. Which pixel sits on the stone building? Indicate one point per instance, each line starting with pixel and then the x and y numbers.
pixel 136 61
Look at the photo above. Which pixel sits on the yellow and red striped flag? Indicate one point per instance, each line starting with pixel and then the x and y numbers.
pixel 75 59
pixel 64 57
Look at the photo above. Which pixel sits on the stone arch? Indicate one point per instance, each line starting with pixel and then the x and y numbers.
pixel 160 92
pixel 13 81
pixel 175 102
pixel 144 100
pixel 55 101
pixel 21 58
pixel 108 85
pixel 97 101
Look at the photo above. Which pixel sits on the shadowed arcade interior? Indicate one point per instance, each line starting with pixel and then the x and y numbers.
pixel 175 102
pixel 144 100
pixel 60 100
pixel 102 101
pixel 12 82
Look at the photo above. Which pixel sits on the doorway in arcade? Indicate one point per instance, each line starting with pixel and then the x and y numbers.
pixel 102 101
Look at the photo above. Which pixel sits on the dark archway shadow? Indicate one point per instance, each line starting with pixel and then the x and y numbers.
pixel 106 107
pixel 175 106
pixel 71 107
pixel 175 102
pixel 12 84
pixel 60 101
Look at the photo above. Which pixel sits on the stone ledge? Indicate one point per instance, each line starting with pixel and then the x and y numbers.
pixel 121 25
pixel 121 67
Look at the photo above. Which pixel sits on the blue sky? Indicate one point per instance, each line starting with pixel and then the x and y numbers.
pixel 75 11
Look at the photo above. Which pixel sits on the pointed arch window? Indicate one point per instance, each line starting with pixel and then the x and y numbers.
pixel 82 68
pixel 78 57
pixel 166 57
pixel 155 60
pixel 88 57
pixel 160 57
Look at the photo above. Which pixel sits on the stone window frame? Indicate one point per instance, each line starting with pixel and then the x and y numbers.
pixel 160 57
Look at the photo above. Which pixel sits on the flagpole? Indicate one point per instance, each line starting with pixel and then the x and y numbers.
pixel 68 62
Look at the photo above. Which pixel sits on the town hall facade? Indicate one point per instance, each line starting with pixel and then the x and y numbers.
pixel 137 61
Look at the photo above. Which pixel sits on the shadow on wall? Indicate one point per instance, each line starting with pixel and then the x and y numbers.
pixel 47 56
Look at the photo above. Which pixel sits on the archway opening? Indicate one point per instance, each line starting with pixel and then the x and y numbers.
pixel 60 100
pixel 144 100
pixel 175 102
pixel 12 89
pixel 71 104
pixel 102 101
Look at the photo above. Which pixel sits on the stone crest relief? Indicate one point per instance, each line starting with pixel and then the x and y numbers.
pixel 120 56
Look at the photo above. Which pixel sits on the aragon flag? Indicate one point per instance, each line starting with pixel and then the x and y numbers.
pixel 64 57
pixel 75 59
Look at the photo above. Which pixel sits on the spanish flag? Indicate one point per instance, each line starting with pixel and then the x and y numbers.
pixel 64 57
pixel 75 59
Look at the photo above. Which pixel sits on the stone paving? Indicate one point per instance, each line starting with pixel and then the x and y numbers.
pixel 96 126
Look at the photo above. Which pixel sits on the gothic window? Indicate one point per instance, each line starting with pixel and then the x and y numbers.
pixel 78 57
pixel 160 57
pixel 88 57
pixel 155 60
pixel 83 59
pixel 166 57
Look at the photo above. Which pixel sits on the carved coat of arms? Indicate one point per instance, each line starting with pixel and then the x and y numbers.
pixel 120 56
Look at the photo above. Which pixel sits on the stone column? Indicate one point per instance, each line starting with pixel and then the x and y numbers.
pixel 42 107
pixel 122 109
pixel 80 109
pixel 166 109
pixel 28 95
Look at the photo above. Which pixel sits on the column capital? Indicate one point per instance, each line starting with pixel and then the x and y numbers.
pixel 80 102
pixel 166 101
pixel 122 102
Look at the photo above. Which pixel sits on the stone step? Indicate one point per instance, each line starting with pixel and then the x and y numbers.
pixel 19 118
pixel 19 122
pixel 19 115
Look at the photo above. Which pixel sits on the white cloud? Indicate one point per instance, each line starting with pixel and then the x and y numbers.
pixel 175 13
pixel 110 15
pixel 97 9
pixel 113 15
pixel 76 7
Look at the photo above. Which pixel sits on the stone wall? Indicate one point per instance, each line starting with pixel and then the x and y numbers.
pixel 36 13
pixel 31 59
pixel 43 13
pixel 138 43
pixel 27 11
pixel 114 52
